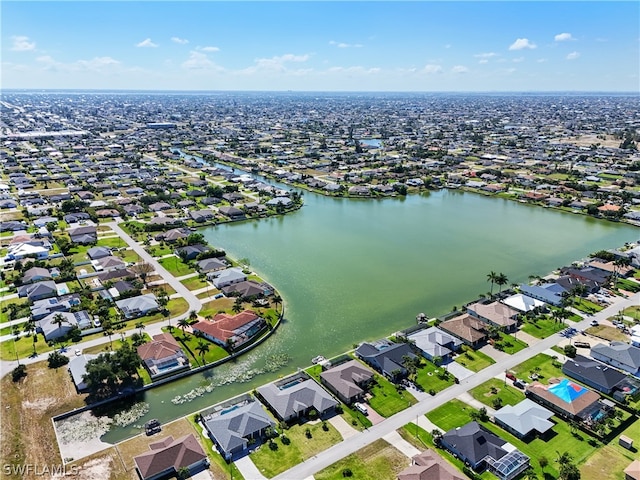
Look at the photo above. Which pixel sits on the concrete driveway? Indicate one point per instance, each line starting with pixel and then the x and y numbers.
pixel 459 371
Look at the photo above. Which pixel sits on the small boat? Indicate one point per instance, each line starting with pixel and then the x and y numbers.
pixel 318 359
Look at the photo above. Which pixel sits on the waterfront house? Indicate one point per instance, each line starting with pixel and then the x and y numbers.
pixel 496 314
pixel 620 355
pixel 190 252
pixel 550 293
pixel 434 343
pixel 78 368
pixel 162 356
pixel 428 465
pixel 470 330
pixel 566 398
pixel 212 265
pixel 233 213
pixel 480 448
pixel 230 330
pixel 348 381
pixel 232 427
pixel 524 419
pixel 524 303
pixel 248 289
pixel 229 276
pixel 167 456
pixel 386 357
pixel 295 396
pixel 138 306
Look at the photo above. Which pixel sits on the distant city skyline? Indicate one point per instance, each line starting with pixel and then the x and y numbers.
pixel 322 46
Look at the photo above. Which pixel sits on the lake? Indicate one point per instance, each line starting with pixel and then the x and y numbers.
pixel 351 270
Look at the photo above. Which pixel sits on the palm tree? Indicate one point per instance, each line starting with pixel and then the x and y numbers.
pixel 563 458
pixel 59 319
pixel 140 326
pixel 237 306
pixel 491 277
pixel 277 300
pixel 183 323
pixel 501 280
pixel 202 348
pixel 193 315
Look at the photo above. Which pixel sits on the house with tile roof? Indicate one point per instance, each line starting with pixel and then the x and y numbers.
pixel 233 426
pixel 167 456
pixel 348 381
pixel 469 329
pixel 227 329
pixel 162 356
pixel 428 465
pixel 496 314
pixel 295 396
pixel 566 398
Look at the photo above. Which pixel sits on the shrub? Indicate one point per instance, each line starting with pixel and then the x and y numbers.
pixel 570 351
pixel 285 440
pixel 273 445
pixel 339 409
pixel 347 472
pixel 325 427
pixel 56 359
pixel 432 392
pixel 307 433
pixel 18 373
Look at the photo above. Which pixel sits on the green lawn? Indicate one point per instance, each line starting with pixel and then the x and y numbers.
pixel 190 341
pixel 627 285
pixel 586 306
pixel 175 266
pixel 474 360
pixel 430 377
pixel 377 461
pixel 195 283
pixel 159 250
pixel 24 347
pixel 451 415
pixel 272 462
pixel 111 242
pixel 386 399
pixel 508 394
pixel 509 344
pixel 22 311
pixel 543 327
pixel 542 362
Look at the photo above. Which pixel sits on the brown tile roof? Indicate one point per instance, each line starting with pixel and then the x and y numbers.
pixel 169 453
pixel 162 346
pixel 495 312
pixel 588 398
pixel 430 466
pixel 466 327
pixel 223 325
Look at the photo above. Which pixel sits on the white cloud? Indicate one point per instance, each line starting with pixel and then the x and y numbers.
pixel 96 64
pixel 147 43
pixel 430 68
pixel 484 60
pixel 209 49
pixel 486 55
pixel 20 43
pixel 562 37
pixel 521 44
pixel 542 60
pixel 181 41
pixel 518 60
pixel 459 69
pixel 345 45
pixel 573 56
pixel 198 61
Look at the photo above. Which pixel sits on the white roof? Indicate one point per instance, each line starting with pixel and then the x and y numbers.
pixel 522 302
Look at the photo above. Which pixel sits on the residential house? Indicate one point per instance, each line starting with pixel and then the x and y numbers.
pixel 435 343
pixel 428 465
pixel 495 314
pixel 190 252
pixel 632 472
pixel 162 356
pixel 233 213
pixel 587 274
pixel 212 264
pixel 470 330
pixel 231 330
pixel 248 289
pixel 227 277
pixel 51 330
pixel 76 217
pixel 568 283
pixel 566 398
pixel 173 235
pixel 78 368
pixel 524 303
pixel 480 448
pixel 296 396
pixel 109 263
pixel 233 427
pixel 38 291
pixel 200 216
pixel 550 293
pixel 167 456
pixel 138 306
pixel 599 376
pixel 115 274
pixel 96 253
pixel 386 357
pixel 19 251
pixel 42 308
pixel 524 419
pixel 83 235
pixel 35 274
pixel 620 355
pixel 347 381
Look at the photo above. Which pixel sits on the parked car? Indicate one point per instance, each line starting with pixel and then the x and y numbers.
pixel 362 408
pixel 582 344
pixel 521 384
pixel 594 323
pixel 511 376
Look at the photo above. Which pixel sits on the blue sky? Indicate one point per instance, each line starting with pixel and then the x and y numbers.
pixel 324 46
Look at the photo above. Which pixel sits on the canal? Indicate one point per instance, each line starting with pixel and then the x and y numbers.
pixel 351 270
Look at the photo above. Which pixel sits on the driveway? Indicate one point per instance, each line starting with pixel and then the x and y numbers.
pixel 459 371
pixel 248 469
pixel 343 428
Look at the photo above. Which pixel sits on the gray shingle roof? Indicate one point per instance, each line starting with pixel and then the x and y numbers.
pixel 290 401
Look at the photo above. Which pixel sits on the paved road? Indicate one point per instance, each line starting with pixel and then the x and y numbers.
pixel 355 443
pixel 152 329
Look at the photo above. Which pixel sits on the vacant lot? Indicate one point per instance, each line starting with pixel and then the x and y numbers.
pixel 494 388
pixel 474 360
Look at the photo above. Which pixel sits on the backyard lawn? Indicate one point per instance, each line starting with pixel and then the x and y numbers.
pixel 209 309
pixel 190 342
pixel 377 461
pixel 485 393
pixel 586 306
pixel 272 462
pixel 543 327
pixel 22 309
pixel 474 360
pixel 386 399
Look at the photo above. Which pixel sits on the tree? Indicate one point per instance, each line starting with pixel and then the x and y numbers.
pixel 569 471
pixel 491 277
pixel 142 270
pixel 202 348
pixel 56 359
pixel 277 300
pixel 570 351
pixel 193 315
pixel 237 306
pixel 59 319
pixel 183 473
pixel 543 462
pixel 18 373
pixel 501 280
pixel 140 327
pixel 183 323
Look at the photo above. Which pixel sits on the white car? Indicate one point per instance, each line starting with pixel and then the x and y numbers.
pixel 362 408
pixel 78 352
